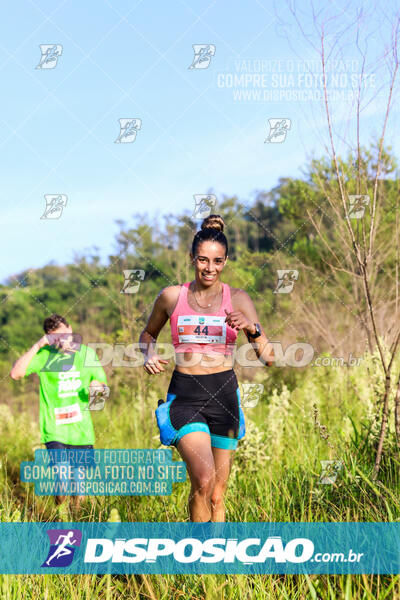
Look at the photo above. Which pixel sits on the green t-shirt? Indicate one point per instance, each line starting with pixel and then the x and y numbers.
pixel 64 393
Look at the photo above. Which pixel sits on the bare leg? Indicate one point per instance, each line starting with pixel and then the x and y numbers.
pixel 195 450
pixel 223 461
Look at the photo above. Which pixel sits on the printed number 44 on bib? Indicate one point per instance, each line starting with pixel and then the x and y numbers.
pixel 201 329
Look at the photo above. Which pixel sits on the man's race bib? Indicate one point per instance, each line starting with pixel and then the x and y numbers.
pixel 201 329
pixel 68 414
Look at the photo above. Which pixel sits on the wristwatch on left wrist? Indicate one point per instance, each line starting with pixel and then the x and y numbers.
pixel 257 333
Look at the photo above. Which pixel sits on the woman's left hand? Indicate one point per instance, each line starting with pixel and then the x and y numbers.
pixel 237 320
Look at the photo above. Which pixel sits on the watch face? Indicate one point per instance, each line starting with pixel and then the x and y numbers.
pixel 257 332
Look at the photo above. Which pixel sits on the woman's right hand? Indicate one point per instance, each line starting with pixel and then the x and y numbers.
pixel 152 364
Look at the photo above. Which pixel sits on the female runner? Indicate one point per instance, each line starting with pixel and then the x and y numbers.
pixel 202 416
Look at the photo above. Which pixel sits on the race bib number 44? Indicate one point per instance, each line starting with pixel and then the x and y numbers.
pixel 68 414
pixel 201 329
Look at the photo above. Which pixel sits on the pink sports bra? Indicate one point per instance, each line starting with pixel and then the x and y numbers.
pixel 197 332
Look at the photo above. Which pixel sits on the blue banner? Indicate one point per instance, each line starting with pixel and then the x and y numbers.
pixel 248 548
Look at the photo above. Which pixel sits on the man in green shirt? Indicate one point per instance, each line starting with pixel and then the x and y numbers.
pixel 65 381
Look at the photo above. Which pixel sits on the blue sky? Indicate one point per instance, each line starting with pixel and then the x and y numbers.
pixel 199 131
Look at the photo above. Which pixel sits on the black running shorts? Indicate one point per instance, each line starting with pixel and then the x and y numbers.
pixel 209 403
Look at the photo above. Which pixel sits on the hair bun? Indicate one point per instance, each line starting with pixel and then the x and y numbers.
pixel 213 222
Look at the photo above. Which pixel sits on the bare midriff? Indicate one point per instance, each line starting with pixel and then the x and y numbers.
pixel 197 363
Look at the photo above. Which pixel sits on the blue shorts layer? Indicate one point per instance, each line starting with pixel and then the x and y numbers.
pixel 209 403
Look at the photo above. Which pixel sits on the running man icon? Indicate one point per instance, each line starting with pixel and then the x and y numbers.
pixel 62 549
pixel 63 543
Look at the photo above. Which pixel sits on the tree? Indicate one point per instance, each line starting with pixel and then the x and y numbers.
pixel 359 198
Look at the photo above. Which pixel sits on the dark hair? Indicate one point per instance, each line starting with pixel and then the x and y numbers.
pixel 52 322
pixel 212 228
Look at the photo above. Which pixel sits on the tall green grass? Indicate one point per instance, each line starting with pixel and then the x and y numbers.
pixel 303 417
